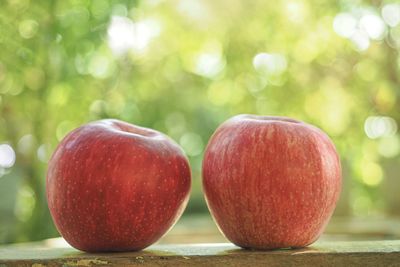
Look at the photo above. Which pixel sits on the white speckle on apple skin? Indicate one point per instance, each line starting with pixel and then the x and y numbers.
pixel 271 183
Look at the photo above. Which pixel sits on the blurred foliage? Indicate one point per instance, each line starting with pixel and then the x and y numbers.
pixel 183 67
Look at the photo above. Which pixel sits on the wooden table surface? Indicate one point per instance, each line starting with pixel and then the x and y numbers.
pixel 370 243
pixel 324 253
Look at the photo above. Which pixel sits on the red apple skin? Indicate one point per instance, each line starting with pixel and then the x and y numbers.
pixel 271 182
pixel 113 186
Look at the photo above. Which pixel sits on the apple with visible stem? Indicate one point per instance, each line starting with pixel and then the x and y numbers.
pixel 114 186
pixel 271 182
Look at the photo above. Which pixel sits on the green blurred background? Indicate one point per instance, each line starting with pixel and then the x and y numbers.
pixel 183 67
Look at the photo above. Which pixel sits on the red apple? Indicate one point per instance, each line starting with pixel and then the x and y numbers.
pixel 114 186
pixel 271 182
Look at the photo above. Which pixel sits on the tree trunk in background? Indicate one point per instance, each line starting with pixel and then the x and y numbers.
pixel 391 186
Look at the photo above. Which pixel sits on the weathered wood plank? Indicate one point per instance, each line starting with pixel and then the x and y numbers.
pixel 336 253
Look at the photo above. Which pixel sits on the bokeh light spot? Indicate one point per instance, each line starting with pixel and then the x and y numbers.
pixel 42 153
pixel 360 27
pixel 26 202
pixel 372 173
pixel 219 93
pixel 119 10
pixel 100 66
pixel 274 64
pixel 296 11
pixel 379 126
pixel 28 28
pixel 373 25
pixel 192 144
pixel 391 14
pixel 26 144
pixel 175 124
pixel 209 64
pixel 124 34
pixel 7 156
pixel 193 10
pixel 34 78
pixel 63 128
pixel 360 40
pixel 389 146
pixel 345 24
